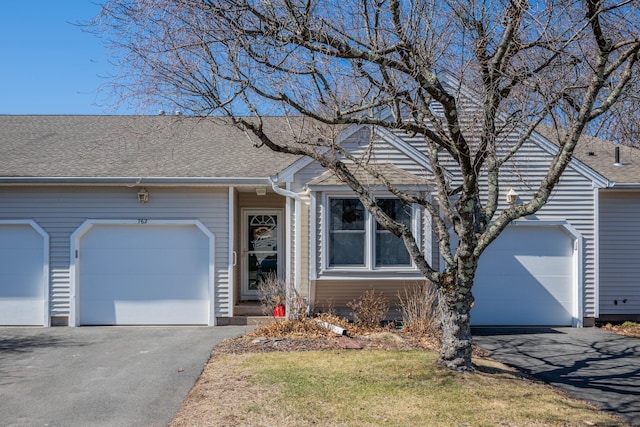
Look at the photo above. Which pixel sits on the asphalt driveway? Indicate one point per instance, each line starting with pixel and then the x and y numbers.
pixel 101 376
pixel 590 363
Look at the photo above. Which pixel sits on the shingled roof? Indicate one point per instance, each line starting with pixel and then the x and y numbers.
pixel 145 147
pixel 599 155
pixel 136 146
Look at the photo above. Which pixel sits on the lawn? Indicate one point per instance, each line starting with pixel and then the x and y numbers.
pixel 373 388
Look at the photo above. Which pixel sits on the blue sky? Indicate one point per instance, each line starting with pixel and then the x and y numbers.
pixel 47 64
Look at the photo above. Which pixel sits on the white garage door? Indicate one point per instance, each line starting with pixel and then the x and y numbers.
pixel 143 274
pixel 526 277
pixel 22 275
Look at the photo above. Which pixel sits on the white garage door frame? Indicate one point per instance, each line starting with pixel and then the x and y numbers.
pixel 577 261
pixel 45 264
pixel 74 315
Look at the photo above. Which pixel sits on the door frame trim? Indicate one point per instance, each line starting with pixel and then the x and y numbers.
pixel 244 214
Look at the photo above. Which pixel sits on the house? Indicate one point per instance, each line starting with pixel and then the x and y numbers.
pixel 172 220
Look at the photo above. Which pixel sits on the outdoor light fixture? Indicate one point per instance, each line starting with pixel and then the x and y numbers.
pixel 143 195
pixel 512 196
pixel 261 191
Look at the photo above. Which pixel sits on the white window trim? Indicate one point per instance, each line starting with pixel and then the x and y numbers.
pixel 370 235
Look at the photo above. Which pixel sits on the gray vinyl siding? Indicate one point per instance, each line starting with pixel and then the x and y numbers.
pixel 61 210
pixel 619 252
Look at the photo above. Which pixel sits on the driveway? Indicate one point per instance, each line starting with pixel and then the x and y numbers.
pixel 101 376
pixel 589 363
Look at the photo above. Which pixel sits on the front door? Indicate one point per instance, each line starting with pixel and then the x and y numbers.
pixel 262 243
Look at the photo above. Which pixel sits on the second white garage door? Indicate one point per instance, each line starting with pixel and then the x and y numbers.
pixel 143 274
pixel 527 277
pixel 23 278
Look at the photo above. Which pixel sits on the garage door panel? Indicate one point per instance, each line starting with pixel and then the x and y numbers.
pixel 130 262
pixel 128 312
pixel 22 311
pixel 141 274
pixel 526 278
pixel 22 278
pixel 144 237
pixel 142 287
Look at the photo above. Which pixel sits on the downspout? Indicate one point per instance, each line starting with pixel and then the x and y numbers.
pixel 298 232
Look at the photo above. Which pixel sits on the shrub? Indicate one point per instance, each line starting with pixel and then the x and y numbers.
pixel 272 293
pixel 297 306
pixel 629 324
pixel 418 305
pixel 370 310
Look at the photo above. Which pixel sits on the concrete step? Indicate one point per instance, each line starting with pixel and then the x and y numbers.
pixel 245 320
pixel 248 310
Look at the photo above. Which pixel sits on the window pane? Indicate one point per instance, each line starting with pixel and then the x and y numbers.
pixel 346 232
pixel 346 214
pixel 346 249
pixel 396 209
pixel 390 250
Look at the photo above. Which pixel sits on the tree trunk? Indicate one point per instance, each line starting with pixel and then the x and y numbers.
pixel 455 307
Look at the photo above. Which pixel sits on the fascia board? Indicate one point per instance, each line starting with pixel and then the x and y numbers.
pixel 624 185
pixel 212 181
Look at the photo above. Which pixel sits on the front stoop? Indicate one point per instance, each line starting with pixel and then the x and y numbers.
pixel 245 320
pixel 248 309
pixel 246 313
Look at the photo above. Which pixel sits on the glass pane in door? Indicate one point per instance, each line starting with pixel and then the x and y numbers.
pixel 263 247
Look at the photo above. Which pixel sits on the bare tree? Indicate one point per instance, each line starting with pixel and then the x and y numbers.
pixel 462 76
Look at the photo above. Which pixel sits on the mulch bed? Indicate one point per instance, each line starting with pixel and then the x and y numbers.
pixel 283 337
pixel 630 330
pixel 307 336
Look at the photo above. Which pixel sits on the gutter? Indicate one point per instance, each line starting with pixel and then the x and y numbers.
pixel 297 198
pixel 132 181
pixel 624 185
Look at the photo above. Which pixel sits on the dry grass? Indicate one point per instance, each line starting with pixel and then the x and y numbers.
pixel 291 373
pixel 372 388
pixel 419 308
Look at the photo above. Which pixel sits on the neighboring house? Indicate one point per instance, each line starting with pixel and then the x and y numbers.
pixel 172 220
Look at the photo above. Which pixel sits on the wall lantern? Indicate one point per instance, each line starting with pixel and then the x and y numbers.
pixel 512 196
pixel 261 191
pixel 143 195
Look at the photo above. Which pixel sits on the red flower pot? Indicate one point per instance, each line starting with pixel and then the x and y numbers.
pixel 278 311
